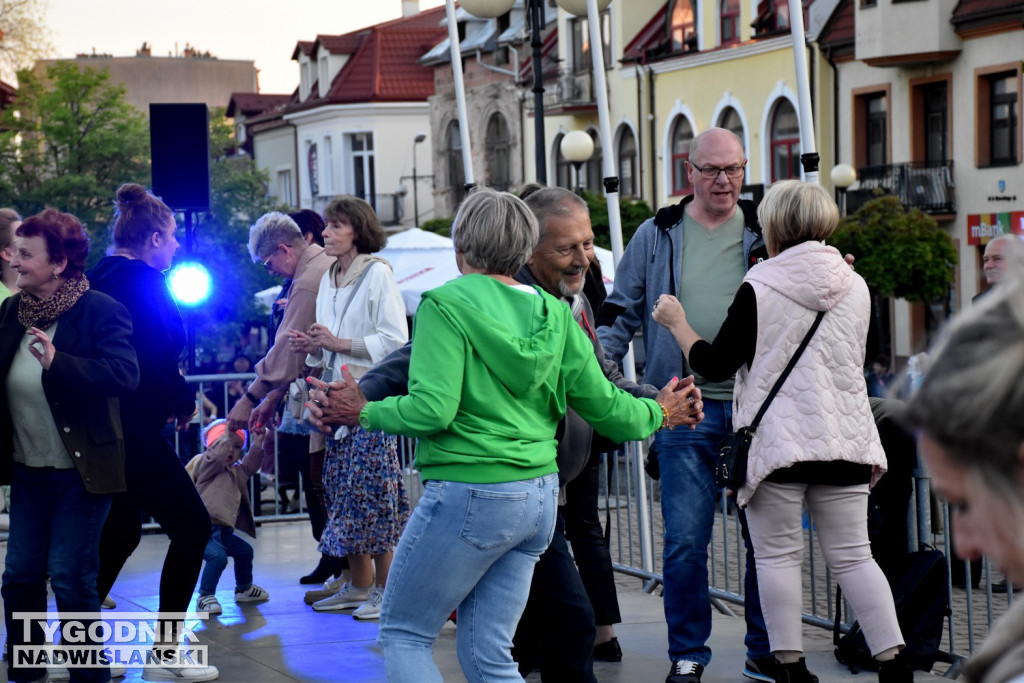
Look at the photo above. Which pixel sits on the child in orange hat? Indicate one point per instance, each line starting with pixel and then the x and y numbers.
pixel 221 475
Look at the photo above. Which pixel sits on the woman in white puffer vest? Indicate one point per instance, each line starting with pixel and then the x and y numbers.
pixel 817 442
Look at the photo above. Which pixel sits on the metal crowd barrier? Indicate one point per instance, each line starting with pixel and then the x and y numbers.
pixel 631 501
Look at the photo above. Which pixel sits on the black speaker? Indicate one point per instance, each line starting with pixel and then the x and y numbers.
pixel 179 142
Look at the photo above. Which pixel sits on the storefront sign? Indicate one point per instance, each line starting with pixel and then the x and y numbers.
pixel 984 226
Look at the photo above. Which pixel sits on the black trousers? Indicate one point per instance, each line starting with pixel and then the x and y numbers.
pixel 589 545
pixel 159 486
pixel 556 632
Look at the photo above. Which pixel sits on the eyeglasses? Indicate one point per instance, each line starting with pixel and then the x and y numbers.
pixel 711 172
pixel 266 263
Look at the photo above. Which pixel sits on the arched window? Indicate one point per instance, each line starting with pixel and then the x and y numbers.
pixel 456 173
pixel 730 21
pixel 682 26
pixel 731 121
pixel 682 136
pixel 498 145
pixel 627 164
pixel 592 173
pixel 785 142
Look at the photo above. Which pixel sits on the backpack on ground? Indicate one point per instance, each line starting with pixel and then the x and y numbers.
pixel 922 605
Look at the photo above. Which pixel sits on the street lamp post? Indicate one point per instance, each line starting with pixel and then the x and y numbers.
pixel 455 52
pixel 843 175
pixel 577 147
pixel 489 9
pixel 808 147
pixel 420 137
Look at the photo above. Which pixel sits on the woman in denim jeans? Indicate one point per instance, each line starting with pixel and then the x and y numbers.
pixel 494 365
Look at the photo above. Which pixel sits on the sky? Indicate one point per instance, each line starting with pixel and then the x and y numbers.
pixel 265 31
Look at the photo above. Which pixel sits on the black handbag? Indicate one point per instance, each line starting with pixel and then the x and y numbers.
pixel 731 463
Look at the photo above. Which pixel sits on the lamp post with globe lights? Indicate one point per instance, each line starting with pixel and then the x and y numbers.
pixel 808 149
pixel 843 175
pixel 455 52
pixel 577 147
pixel 489 9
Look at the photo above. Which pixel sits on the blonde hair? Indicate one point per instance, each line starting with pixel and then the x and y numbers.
pixel 793 211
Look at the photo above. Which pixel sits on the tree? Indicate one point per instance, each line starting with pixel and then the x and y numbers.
pixel 900 252
pixel 631 214
pixel 23 35
pixel 238 198
pixel 68 143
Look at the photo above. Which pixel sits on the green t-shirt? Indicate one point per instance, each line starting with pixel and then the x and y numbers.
pixel 712 270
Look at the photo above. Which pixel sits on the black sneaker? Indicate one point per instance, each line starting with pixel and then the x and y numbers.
pixel 761 668
pixel 684 671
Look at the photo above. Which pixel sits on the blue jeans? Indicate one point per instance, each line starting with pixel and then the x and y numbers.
pixel 224 544
pixel 471 547
pixel 55 529
pixel 688 492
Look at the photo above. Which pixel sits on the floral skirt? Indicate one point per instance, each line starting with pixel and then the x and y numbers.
pixel 367 507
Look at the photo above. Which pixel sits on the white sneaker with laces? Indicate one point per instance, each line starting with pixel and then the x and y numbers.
pixel 371 608
pixel 331 587
pixel 348 597
pixel 252 594
pixel 172 670
pixel 208 604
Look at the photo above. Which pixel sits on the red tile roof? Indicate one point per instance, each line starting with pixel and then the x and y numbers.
pixel 839 31
pixel 986 11
pixel 651 35
pixel 250 103
pixel 303 46
pixel 383 66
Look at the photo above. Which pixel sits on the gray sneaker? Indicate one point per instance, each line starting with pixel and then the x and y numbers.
pixel 371 608
pixel 348 597
pixel 331 587
pixel 184 674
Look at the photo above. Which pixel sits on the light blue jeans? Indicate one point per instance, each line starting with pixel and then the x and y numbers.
pixel 471 547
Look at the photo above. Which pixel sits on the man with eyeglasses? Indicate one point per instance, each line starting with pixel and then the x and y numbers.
pixel 276 241
pixel 699 251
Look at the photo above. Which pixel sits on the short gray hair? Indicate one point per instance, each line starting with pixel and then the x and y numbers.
pixel 1015 256
pixel 552 201
pixel 495 231
pixel 270 230
pixel 971 400
pixel 793 211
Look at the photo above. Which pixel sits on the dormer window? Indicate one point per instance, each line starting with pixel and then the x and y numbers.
pixel 682 31
pixel 324 76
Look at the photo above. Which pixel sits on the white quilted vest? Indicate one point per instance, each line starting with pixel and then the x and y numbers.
pixel 822 411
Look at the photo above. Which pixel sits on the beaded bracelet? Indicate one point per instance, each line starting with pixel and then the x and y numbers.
pixel 664 416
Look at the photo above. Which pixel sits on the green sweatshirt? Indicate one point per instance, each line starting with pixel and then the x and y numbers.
pixel 491 373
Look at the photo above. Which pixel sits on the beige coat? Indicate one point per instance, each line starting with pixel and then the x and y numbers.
pixel 221 478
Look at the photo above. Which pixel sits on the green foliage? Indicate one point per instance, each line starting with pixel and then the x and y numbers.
pixel 900 252
pixel 71 140
pixel 441 226
pixel 238 198
pixel 632 214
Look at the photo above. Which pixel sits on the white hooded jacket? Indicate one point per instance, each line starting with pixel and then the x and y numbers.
pixel 822 411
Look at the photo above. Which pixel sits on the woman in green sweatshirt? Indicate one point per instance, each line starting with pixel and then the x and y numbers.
pixel 494 365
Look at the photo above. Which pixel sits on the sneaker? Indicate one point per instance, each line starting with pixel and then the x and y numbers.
pixel 348 597
pixel 61 673
pixel 685 671
pixel 108 603
pixel 208 604
pixel 330 588
pixel 761 668
pixel 371 608
pixel 252 594
pixel 190 674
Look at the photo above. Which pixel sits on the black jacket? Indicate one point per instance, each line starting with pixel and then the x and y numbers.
pixel 94 365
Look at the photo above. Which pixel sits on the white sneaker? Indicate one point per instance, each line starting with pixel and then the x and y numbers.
pixel 208 604
pixel 108 603
pixel 253 594
pixel 371 608
pixel 348 597
pixel 61 673
pixel 190 674
pixel 331 587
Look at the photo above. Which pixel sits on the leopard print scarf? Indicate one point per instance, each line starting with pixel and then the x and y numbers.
pixel 33 312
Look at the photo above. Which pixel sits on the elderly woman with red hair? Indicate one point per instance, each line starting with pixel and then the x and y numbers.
pixel 65 358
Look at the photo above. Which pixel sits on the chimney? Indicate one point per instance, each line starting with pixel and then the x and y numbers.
pixel 410 7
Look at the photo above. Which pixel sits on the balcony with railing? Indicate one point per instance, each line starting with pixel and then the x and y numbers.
pixel 925 185
pixel 388 207
pixel 569 91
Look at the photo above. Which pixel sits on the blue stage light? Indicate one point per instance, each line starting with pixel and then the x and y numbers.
pixel 190 283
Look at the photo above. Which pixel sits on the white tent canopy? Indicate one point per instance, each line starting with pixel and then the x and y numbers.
pixel 424 260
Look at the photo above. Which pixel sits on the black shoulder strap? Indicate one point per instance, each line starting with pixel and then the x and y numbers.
pixel 785 373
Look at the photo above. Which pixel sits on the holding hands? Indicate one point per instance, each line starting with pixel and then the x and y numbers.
pixel 682 402
pixel 337 403
pixel 300 342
